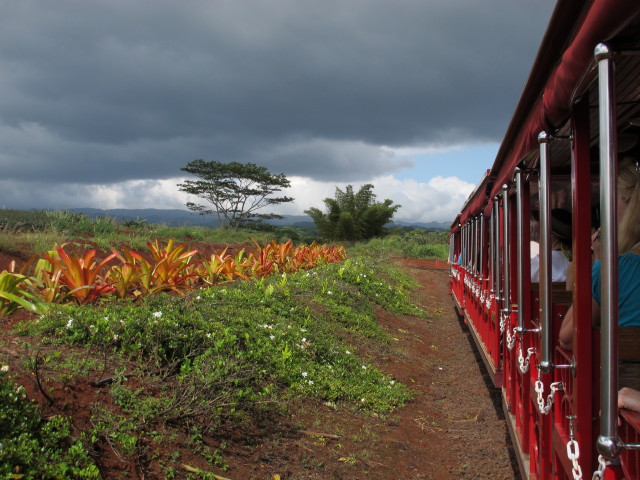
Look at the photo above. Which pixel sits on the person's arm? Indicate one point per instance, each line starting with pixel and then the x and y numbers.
pixel 571 276
pixel 565 338
pixel 629 398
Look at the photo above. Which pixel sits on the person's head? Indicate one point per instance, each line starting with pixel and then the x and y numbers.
pixel 561 226
pixel 628 205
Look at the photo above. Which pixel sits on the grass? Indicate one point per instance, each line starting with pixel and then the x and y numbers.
pixel 414 244
pixel 189 367
pixel 38 231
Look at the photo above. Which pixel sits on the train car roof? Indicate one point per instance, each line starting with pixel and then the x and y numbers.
pixel 566 52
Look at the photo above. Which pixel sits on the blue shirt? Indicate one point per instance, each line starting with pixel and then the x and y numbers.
pixel 628 288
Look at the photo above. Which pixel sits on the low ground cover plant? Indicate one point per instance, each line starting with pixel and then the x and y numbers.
pixel 188 367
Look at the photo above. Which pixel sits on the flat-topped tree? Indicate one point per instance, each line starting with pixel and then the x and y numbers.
pixel 235 190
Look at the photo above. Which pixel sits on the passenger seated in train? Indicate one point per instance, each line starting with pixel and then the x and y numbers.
pixel 560 246
pixel 628 213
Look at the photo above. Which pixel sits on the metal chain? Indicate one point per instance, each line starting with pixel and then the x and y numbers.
pixel 489 300
pixel 573 452
pixel 602 465
pixel 555 386
pixel 511 339
pixel 523 364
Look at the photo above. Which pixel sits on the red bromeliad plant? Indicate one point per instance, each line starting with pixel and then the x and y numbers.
pixel 222 267
pixel 81 276
pixel 170 269
pixel 129 278
pixel 50 288
pixel 261 263
pixel 310 256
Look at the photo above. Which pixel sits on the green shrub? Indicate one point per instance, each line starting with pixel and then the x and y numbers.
pixel 33 448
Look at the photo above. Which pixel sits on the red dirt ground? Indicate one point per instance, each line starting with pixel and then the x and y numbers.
pixel 454 428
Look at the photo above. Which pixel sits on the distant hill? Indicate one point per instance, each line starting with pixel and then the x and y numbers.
pixel 177 217
pixel 438 226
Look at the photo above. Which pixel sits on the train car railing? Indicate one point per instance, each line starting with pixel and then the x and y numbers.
pixel 609 443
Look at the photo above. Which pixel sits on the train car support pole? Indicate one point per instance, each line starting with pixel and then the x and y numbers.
pixel 496 208
pixel 608 441
pixel 546 363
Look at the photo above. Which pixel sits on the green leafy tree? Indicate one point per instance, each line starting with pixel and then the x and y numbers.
pixel 353 216
pixel 236 191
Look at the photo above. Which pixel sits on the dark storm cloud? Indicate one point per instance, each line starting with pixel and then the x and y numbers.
pixel 107 91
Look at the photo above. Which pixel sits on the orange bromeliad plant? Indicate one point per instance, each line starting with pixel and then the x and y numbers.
pixel 169 270
pixel 80 275
pixel 129 278
pixel 223 267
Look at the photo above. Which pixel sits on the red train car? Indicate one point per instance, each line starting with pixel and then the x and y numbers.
pixel 554 181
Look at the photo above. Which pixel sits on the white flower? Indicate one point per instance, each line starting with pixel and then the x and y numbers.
pixel 362 399
pixel 347 352
pixel 329 292
pixel 272 337
pixel 364 367
pixel 115 336
pixel 392 382
pixel 304 374
pixel 198 297
pixel 310 382
pixel 4 368
pixel 70 323
pixel 208 335
pixel 157 314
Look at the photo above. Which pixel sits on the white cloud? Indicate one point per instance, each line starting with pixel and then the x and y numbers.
pixel 439 199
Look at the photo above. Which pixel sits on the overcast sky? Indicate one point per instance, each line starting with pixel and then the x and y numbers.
pixel 102 102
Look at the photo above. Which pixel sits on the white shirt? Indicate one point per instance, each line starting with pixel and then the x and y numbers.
pixel 559 264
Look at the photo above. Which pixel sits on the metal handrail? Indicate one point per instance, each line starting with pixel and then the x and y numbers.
pixel 476 248
pixel 482 277
pixel 520 213
pixel 546 362
pixel 609 443
pixel 463 247
pixel 492 244
pixel 496 247
pixel 506 307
